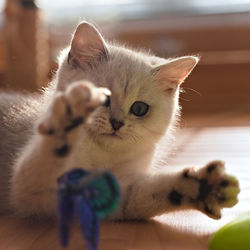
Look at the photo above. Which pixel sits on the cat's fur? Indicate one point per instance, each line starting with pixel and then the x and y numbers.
pixel 68 126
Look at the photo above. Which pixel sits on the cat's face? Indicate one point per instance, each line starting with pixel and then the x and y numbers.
pixel 137 111
pixel 144 88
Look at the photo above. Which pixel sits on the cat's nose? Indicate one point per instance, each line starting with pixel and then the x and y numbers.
pixel 116 124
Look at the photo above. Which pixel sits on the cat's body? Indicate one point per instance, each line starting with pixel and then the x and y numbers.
pixel 16 128
pixel 77 123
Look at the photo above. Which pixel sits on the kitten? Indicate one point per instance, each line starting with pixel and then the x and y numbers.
pixel 108 107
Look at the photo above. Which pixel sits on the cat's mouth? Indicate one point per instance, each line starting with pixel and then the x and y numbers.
pixel 112 135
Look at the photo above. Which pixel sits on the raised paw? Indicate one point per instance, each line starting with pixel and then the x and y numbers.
pixel 217 189
pixel 71 108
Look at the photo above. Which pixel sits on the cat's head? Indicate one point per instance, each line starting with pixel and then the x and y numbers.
pixel 145 88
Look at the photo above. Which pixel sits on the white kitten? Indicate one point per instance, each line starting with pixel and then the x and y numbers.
pixel 108 108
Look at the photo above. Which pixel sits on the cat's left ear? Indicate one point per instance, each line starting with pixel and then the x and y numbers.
pixel 87 46
pixel 170 75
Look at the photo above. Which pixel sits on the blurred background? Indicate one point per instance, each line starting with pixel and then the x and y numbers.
pixel 32 33
pixel 215 101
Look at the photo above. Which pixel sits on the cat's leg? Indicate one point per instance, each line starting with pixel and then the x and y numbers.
pixel 208 189
pixel 50 150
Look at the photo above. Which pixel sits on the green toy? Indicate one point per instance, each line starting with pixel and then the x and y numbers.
pixel 233 236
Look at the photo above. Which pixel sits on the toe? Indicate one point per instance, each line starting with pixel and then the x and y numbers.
pixel 229 203
pixel 215 166
pixel 212 210
pixel 233 181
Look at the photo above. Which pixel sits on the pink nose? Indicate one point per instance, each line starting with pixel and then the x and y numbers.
pixel 116 124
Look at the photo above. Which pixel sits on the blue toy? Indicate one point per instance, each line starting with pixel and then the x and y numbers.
pixel 87 196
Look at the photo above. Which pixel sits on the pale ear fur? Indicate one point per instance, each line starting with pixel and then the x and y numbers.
pixel 174 72
pixel 87 45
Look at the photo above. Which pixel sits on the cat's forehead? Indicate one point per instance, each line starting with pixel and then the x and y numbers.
pixel 127 74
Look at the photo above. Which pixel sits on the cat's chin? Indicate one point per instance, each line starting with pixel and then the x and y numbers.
pixel 111 139
pixel 114 140
pixel 106 138
pixel 111 142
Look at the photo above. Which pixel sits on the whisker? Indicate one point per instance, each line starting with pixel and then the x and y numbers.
pixel 195 91
pixel 187 100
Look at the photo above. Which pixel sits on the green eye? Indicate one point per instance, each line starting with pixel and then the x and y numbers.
pixel 139 108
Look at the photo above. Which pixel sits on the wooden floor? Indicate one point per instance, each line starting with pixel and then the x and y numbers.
pixel 203 139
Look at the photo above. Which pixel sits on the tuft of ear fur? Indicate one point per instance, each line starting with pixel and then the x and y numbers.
pixel 87 46
pixel 173 73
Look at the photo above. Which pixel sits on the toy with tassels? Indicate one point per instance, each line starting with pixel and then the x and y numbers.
pixel 88 197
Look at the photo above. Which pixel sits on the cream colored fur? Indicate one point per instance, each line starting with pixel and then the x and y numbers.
pixel 93 70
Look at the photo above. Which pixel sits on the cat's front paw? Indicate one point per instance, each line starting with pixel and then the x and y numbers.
pixel 217 189
pixel 71 108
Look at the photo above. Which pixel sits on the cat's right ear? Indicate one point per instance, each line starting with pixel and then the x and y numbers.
pixel 87 46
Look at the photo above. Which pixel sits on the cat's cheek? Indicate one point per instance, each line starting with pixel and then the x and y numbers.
pixel 154 124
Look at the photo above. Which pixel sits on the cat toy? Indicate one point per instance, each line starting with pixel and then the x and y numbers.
pixel 88 197
pixel 233 236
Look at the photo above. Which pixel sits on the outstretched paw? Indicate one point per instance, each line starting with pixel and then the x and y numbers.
pixel 68 111
pixel 71 108
pixel 217 189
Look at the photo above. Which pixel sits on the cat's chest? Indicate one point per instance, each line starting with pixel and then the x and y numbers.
pixel 127 160
pixel 117 162
pixel 93 157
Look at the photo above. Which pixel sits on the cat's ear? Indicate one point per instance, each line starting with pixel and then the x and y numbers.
pixel 87 46
pixel 170 75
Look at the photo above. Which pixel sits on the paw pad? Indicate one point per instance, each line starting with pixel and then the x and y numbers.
pixel 217 189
